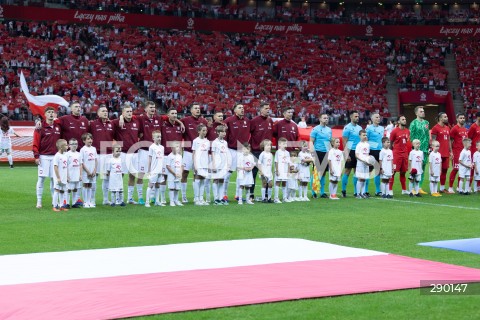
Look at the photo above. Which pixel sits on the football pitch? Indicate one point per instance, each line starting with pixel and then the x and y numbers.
pixel 393 226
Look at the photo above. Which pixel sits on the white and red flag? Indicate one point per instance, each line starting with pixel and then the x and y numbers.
pixel 134 281
pixel 38 104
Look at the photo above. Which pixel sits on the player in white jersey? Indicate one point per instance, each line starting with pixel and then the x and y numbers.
pixel 60 168
pixel 156 154
pixel 476 166
pixel 415 160
pixel 200 149
pixel 174 173
pixel 465 167
pixel 362 171
pixel 305 160
pixel 220 163
pixel 335 164
pixel 74 173
pixel 5 141
pixel 292 181
pixel 435 167
pixel 282 165
pixel 265 162
pixel 386 168
pixel 245 165
pixel 89 158
pixel 114 171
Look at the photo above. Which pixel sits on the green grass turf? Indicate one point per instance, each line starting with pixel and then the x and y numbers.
pixel 384 225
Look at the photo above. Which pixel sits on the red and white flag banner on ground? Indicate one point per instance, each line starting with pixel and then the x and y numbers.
pixel 135 281
pixel 38 104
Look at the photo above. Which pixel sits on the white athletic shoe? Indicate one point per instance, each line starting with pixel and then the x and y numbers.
pixel 249 201
pixel 172 204
pixel 159 204
pixel 147 204
pixel 306 199
pixel 277 201
pixel 39 205
pixel 405 192
pixel 178 203
pixel 184 200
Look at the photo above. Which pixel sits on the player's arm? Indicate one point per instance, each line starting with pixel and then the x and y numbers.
pixel 380 161
pixel 57 173
pixel 450 148
pixel 85 169
pixel 181 171
pixel 149 168
pixel 409 163
pixel 430 163
pixel 68 170
pixel 475 166
pixel 36 146
pixel 214 166
pixel 169 168
pixel 81 171
pixel 94 171
pixel 330 166
pixel 276 167
pixel 311 144
pixel 194 160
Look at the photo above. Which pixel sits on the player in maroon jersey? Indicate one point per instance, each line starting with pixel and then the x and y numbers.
pixel 474 133
pixel 441 133
pixel 103 134
pixel 400 141
pixel 238 133
pixel 217 120
pixel 191 123
pixel 260 129
pixel 457 134
pixel 73 125
pixel 44 149
pixel 171 132
pixel 128 136
pixel 287 129
pixel 149 122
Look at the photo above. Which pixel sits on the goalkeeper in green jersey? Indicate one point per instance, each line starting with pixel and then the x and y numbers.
pixel 419 129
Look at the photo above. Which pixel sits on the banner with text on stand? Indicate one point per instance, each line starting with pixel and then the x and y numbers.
pixel 237 26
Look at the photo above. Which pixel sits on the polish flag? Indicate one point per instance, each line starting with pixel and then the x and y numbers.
pixel 135 281
pixel 38 104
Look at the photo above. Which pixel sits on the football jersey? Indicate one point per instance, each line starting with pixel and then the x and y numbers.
pixel 435 161
pixel 174 161
pixel 156 155
pixel 400 140
pixel 335 158
pixel 88 155
pixel 458 134
pixel 220 154
pixel 201 148
pixel 443 137
pixel 416 158
pixel 74 162
pixel 386 157
pixel 265 160
pixel 5 140
pixel 60 161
